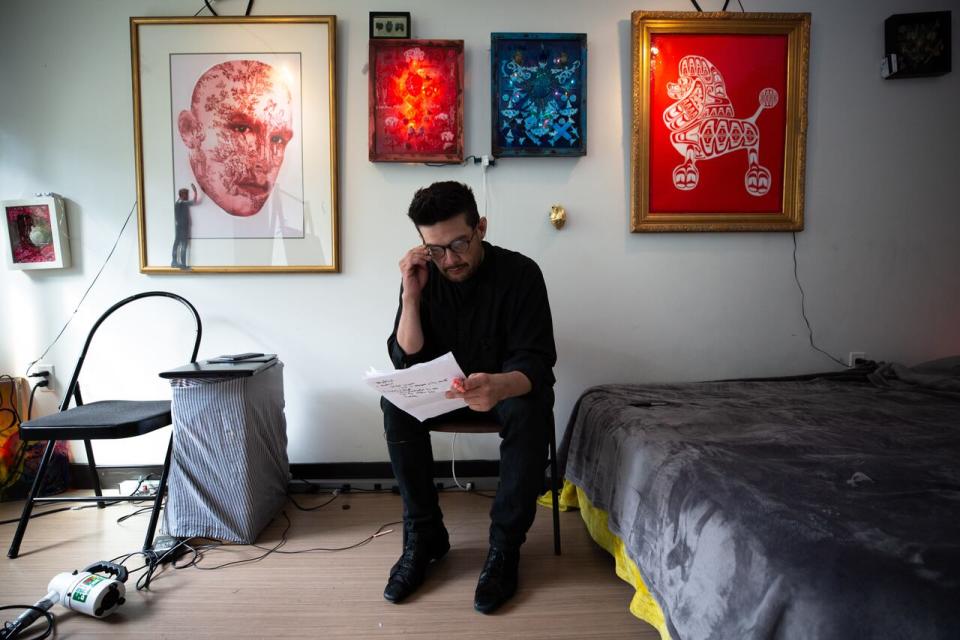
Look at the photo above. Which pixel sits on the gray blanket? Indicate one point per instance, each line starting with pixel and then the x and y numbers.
pixel 824 506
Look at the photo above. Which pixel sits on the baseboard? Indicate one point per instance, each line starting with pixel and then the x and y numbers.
pixel 112 475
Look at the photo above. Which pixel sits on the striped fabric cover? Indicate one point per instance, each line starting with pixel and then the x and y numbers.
pixel 229 469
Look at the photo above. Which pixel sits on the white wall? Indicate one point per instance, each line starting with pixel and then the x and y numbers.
pixel 879 256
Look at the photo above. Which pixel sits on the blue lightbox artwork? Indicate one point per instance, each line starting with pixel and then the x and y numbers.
pixel 538 94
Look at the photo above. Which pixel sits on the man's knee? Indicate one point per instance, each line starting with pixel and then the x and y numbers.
pixel 529 407
pixel 529 413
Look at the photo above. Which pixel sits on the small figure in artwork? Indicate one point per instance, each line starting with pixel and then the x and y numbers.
pixel 181 219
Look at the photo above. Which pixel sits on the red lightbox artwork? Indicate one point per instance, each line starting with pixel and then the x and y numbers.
pixel 719 121
pixel 416 101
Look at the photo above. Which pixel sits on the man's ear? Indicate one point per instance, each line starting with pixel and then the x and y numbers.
pixel 188 126
pixel 482 228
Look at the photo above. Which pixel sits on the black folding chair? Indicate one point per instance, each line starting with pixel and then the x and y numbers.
pixel 109 419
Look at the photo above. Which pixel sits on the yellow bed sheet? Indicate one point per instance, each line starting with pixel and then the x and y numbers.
pixel 642 605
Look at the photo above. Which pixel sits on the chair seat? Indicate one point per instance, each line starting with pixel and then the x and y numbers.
pixel 100 420
pixel 467 426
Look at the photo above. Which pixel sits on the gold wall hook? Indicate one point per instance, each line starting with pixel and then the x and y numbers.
pixel 558 216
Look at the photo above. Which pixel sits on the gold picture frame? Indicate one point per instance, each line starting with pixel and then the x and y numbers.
pixel 698 162
pixel 235 137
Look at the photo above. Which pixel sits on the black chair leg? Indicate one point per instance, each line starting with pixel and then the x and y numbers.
pixel 555 491
pixel 92 464
pixel 28 506
pixel 158 499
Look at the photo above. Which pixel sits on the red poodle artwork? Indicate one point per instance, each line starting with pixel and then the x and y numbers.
pixel 719 121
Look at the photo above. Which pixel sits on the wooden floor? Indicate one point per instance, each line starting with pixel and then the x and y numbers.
pixel 329 595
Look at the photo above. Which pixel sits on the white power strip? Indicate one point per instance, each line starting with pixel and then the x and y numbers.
pixel 142 488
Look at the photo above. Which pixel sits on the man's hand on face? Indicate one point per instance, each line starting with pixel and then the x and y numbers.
pixel 413 268
pixel 481 391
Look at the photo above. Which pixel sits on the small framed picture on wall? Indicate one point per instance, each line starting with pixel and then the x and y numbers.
pixel 36 233
pixel 390 24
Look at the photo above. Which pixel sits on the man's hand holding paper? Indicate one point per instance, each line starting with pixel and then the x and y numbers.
pixel 421 390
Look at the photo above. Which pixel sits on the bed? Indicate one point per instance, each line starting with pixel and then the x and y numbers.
pixel 822 506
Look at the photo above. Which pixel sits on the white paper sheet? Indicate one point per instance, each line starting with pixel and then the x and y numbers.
pixel 420 389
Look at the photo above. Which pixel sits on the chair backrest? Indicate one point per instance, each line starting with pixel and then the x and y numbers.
pixel 73 389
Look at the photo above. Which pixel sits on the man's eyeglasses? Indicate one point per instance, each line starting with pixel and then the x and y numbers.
pixel 438 251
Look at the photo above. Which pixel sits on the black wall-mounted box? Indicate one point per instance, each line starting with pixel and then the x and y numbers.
pixel 917 44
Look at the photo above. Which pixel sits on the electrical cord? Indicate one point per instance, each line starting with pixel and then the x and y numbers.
pixel 198 556
pixel 7 632
pixel 33 392
pixel 153 563
pixel 376 534
pixel 803 309
pixel 276 547
pixel 12 409
pixel 453 462
pixel 90 506
pixel 84 296
pixel 336 494
pixel 139 511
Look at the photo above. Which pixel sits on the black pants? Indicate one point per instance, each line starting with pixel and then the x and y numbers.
pixel 524 421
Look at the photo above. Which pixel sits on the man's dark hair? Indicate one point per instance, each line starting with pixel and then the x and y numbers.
pixel 442 201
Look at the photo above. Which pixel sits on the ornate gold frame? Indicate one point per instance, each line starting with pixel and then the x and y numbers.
pixel 331 22
pixel 796 26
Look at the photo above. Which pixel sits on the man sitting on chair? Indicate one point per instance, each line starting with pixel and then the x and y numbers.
pixel 489 306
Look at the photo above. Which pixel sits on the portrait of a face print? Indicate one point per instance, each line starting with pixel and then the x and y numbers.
pixel 236 138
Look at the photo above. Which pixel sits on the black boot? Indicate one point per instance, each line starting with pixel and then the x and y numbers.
pixel 419 550
pixel 498 580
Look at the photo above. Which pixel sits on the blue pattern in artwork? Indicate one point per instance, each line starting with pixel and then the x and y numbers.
pixel 538 84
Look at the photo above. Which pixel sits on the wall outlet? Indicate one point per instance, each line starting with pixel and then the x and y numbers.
pixel 854 356
pixel 40 367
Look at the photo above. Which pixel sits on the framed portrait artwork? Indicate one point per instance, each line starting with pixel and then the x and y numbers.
pixel 719 121
pixel 235 127
pixel 538 94
pixel 416 101
pixel 36 234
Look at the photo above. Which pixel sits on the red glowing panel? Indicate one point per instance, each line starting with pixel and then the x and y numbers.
pixel 416 101
pixel 717 123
